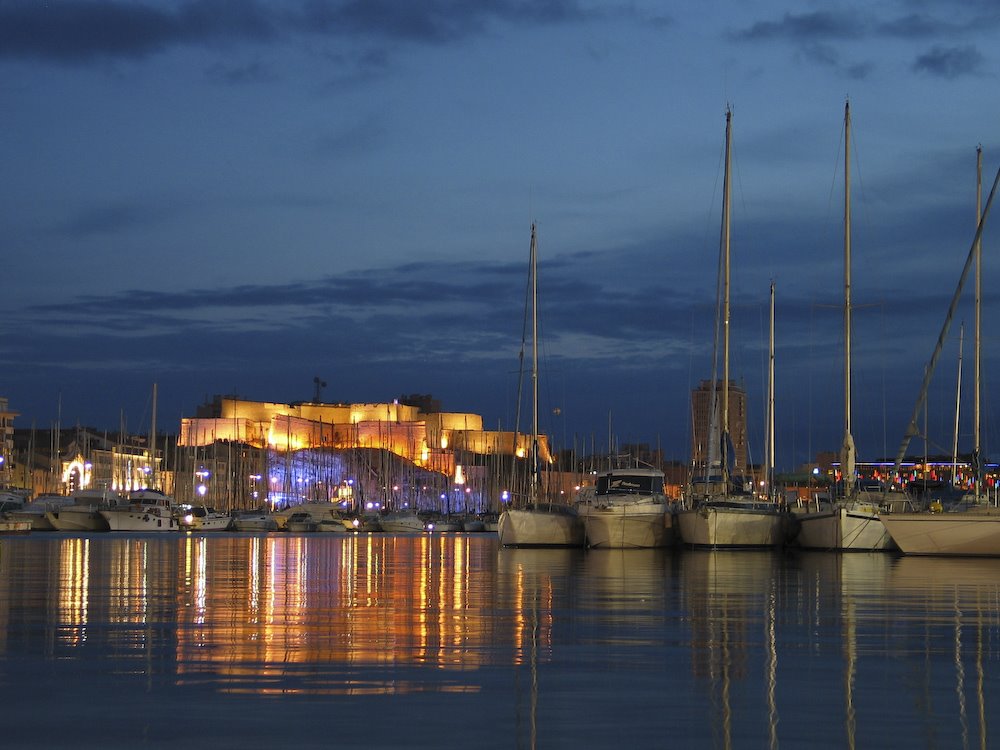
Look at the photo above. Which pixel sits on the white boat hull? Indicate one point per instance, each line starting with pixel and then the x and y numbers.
pixel 627 526
pixel 729 526
pixel 141 519
pixel 255 523
pixel 402 524
pixel 540 528
pixel 77 518
pixel 843 528
pixel 974 532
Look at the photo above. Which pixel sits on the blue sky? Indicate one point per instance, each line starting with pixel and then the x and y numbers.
pixel 238 196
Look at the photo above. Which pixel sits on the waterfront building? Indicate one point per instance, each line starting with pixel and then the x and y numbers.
pixel 393 454
pixel 701 419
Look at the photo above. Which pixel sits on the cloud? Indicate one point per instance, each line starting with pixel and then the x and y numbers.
pixel 112 219
pixel 81 31
pixel 949 62
pixel 805 26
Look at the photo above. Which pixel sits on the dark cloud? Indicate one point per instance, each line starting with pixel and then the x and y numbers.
pixel 73 31
pixel 235 75
pixel 949 62
pixel 801 27
pixel 113 218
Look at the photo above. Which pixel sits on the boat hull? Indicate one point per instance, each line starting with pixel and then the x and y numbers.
pixel 142 519
pixel 540 528
pixel 14 526
pixel 735 527
pixel 80 518
pixel 628 526
pixel 973 532
pixel 843 528
pixel 406 523
pixel 254 523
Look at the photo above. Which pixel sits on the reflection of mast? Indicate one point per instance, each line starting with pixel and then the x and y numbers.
pixel 850 668
pixel 963 718
pixel 772 666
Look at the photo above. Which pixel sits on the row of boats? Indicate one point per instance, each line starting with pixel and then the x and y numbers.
pixel 151 510
pixel 628 508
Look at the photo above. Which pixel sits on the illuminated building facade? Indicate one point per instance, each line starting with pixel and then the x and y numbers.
pixel 6 442
pixel 289 453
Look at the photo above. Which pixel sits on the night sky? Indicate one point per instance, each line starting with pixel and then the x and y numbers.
pixel 226 196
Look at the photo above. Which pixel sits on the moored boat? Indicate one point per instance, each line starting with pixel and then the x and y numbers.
pixel 85 512
pixel 255 521
pixel 628 509
pixel 200 518
pixel 853 521
pixel 538 523
pixel 541 525
pixel 965 529
pixel 402 522
pixel 721 513
pixel 298 523
pixel 147 510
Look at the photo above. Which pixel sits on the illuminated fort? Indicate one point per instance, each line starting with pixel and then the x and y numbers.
pixel 305 443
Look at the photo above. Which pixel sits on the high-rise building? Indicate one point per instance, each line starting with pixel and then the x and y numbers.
pixel 701 419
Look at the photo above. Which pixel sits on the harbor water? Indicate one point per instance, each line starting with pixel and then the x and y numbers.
pixel 280 640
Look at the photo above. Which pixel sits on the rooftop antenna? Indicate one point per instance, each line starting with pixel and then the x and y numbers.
pixel 318 393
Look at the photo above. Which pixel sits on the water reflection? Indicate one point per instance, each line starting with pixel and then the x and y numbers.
pixel 746 649
pixel 732 599
pixel 245 611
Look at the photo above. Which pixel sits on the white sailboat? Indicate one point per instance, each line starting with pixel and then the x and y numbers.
pixel 852 521
pixel 723 516
pixel 538 524
pixel 627 510
pixel 966 528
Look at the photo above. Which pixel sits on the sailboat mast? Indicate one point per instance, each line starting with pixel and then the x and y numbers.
pixel 534 365
pixel 725 297
pixel 769 452
pixel 152 443
pixel 978 343
pixel 847 463
pixel 958 407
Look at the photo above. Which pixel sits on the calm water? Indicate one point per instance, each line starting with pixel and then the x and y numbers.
pixel 419 641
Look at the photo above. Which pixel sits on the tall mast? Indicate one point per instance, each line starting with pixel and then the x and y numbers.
pixel 152 443
pixel 847 460
pixel 769 451
pixel 958 407
pixel 534 366
pixel 977 461
pixel 725 298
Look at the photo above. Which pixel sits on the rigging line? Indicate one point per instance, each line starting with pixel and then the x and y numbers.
pixel 929 369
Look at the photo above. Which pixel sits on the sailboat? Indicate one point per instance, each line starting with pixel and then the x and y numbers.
pixel 723 516
pixel 539 523
pixel 852 521
pixel 966 528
